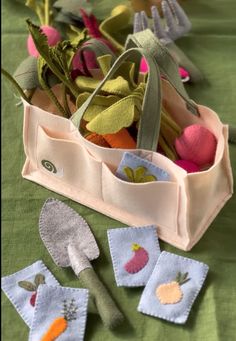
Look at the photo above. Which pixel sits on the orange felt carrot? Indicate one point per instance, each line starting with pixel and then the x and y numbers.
pixel 121 139
pixel 56 329
pixel 97 139
pixel 60 324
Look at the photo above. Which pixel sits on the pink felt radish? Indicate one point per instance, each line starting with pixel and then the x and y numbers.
pixel 189 166
pixel 138 261
pixel 196 144
pixel 53 38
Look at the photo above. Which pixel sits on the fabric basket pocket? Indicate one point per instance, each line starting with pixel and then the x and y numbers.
pixel 209 189
pixel 67 161
pixel 152 201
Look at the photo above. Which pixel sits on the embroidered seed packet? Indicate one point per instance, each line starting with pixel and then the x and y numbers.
pixel 60 314
pixel 173 287
pixel 134 252
pixel 22 288
pixel 133 168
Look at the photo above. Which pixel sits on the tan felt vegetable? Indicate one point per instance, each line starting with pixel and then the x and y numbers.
pixel 171 293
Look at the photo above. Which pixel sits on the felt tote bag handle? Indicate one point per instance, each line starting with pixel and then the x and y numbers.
pixel 164 60
pixel 149 125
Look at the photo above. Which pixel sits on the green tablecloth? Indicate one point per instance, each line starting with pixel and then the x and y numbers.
pixel 212 46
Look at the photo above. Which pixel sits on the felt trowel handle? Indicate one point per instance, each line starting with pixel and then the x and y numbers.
pixel 107 309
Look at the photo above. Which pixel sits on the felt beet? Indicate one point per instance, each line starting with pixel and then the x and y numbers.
pixel 196 144
pixel 189 166
pixel 53 38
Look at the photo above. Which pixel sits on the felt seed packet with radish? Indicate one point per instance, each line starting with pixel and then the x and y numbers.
pixel 134 252
pixel 22 288
pixel 173 287
pixel 60 314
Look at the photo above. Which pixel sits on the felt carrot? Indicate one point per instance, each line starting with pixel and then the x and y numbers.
pixel 97 139
pixel 60 324
pixel 121 139
pixel 56 329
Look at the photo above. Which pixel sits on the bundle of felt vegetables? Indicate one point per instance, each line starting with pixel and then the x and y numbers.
pixel 70 50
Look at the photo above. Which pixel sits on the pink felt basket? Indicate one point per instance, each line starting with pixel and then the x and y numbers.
pixel 59 158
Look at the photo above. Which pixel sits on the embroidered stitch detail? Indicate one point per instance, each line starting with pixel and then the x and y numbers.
pixel 39 279
pixel 60 324
pixel 49 166
pixel 138 174
pixel 138 261
pixel 171 293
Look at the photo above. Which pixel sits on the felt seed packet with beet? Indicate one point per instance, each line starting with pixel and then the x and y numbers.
pixel 134 252
pixel 22 288
pixel 60 314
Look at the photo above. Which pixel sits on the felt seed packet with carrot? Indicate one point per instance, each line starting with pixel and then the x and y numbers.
pixel 22 288
pixel 173 287
pixel 134 252
pixel 60 314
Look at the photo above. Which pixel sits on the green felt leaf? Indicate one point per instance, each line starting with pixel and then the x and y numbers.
pixel 27 285
pixel 39 38
pixel 102 8
pixel 149 178
pixel 119 115
pixel 26 74
pixel 105 63
pixel 39 279
pixel 98 104
pixel 118 86
pixel 139 173
pixel 129 173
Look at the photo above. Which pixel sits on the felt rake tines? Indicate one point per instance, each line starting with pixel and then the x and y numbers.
pixel 70 242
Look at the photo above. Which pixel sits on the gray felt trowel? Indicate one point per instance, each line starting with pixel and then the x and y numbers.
pixel 70 242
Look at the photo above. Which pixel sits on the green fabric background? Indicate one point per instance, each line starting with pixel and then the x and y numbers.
pixel 212 46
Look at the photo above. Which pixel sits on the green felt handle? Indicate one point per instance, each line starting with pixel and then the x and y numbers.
pixel 107 309
pixel 168 66
pixel 149 125
pixel 98 47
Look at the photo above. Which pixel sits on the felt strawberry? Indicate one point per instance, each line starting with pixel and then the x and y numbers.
pixel 39 279
pixel 138 261
pixel 171 293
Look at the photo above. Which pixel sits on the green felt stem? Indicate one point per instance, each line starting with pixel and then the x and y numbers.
pixel 47 12
pixel 15 84
pixel 108 311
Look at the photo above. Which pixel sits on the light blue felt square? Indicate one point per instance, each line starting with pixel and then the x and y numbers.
pixel 165 271
pixel 133 161
pixel 132 268
pixel 50 304
pixel 20 297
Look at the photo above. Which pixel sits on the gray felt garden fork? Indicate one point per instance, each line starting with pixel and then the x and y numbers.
pixel 176 25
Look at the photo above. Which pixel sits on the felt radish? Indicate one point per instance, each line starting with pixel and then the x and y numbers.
pixel 189 166
pixel 32 287
pixel 53 38
pixel 196 144
pixel 138 261
pixel 184 74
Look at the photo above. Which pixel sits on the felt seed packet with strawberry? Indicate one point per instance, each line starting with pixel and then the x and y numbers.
pixel 173 287
pixel 22 288
pixel 60 314
pixel 134 252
